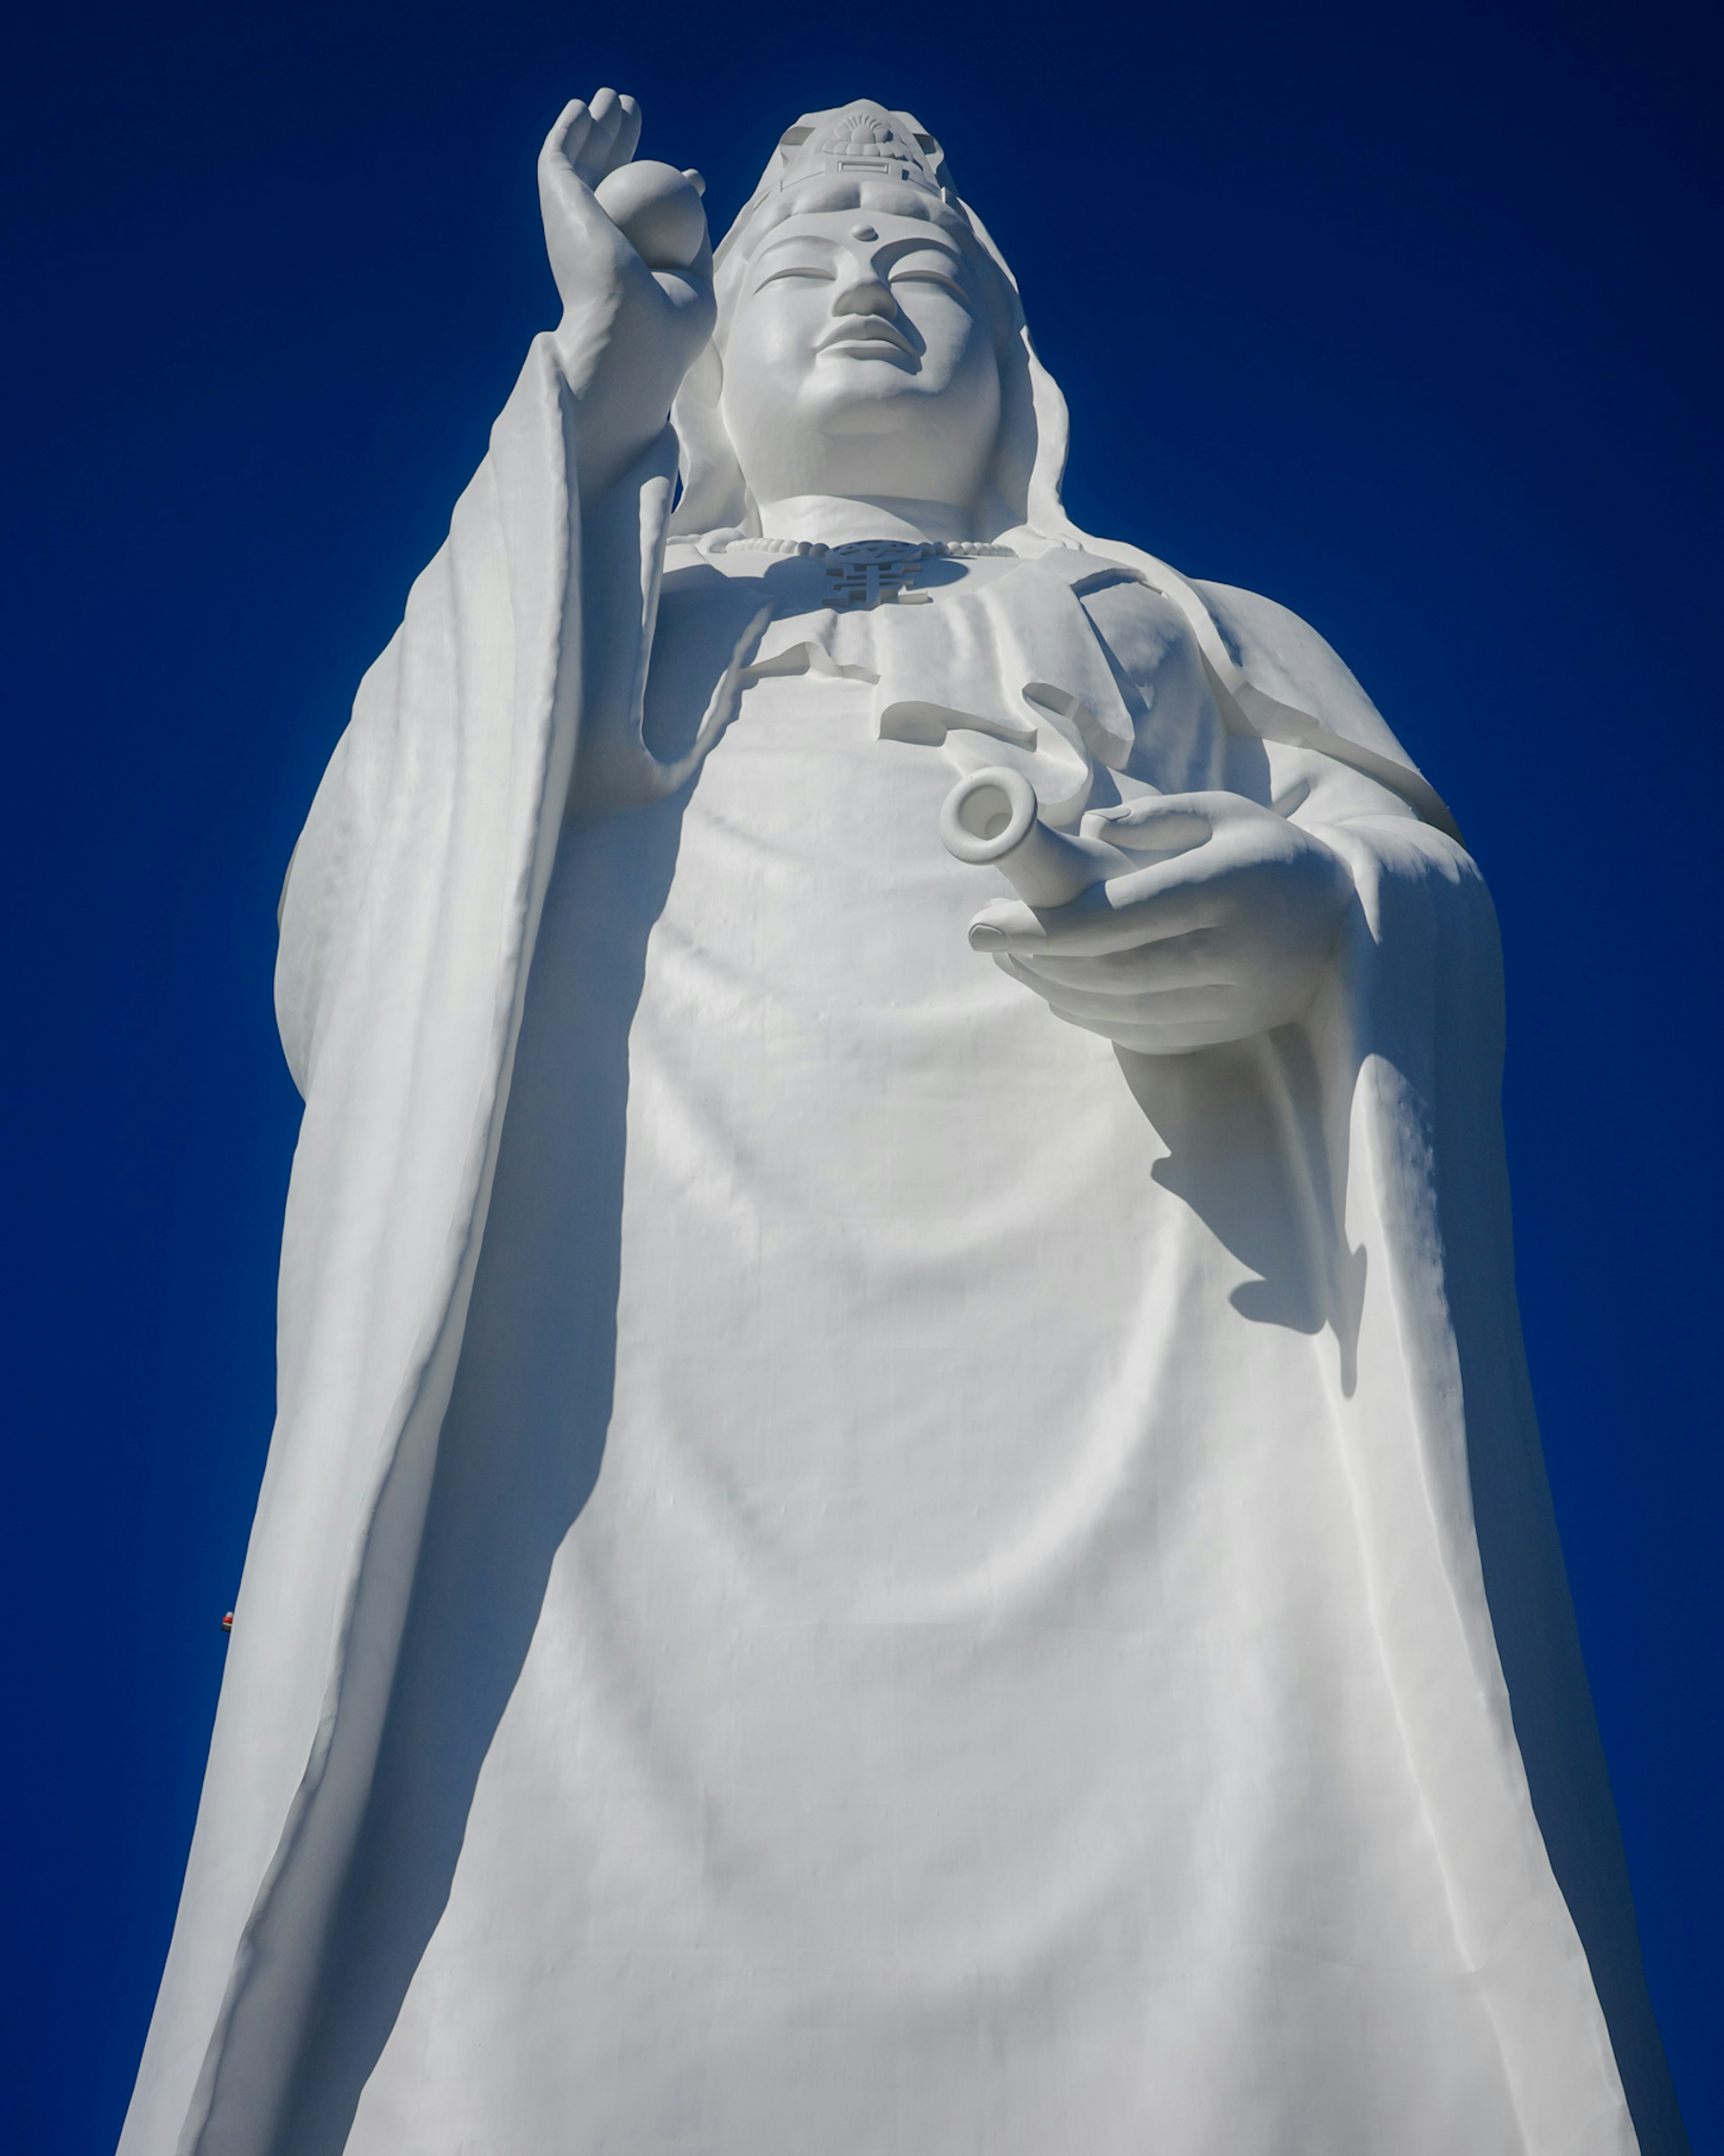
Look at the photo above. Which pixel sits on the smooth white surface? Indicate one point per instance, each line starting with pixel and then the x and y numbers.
pixel 869 1568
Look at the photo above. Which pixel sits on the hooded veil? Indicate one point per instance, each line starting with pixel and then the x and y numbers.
pixel 1022 503
pixel 408 929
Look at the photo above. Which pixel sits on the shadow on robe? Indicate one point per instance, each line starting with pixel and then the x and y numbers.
pixel 1248 1151
pixel 520 1448
pixel 1261 1157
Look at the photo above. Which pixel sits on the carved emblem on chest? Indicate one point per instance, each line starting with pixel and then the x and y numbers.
pixel 871 572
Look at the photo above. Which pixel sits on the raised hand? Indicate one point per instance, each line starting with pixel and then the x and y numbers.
pixel 595 138
pixel 1224 940
pixel 631 327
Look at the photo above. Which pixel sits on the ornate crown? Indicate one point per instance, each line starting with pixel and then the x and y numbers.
pixel 863 140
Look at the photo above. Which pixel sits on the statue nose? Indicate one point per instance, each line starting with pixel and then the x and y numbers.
pixel 866 295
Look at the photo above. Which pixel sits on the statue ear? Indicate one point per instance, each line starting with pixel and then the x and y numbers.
pixel 1005 504
pixel 713 492
pixel 1029 454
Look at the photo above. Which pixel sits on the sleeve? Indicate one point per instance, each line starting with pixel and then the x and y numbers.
pixel 326 874
pixel 1292 686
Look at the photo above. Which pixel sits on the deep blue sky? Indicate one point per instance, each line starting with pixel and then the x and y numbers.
pixel 1405 316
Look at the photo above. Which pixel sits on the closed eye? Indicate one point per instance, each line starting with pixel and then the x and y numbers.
pixel 928 277
pixel 798 270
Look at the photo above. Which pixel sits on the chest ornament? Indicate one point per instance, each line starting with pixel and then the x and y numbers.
pixel 869 572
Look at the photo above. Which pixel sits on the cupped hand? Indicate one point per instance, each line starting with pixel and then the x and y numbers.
pixel 629 332
pixel 1219 940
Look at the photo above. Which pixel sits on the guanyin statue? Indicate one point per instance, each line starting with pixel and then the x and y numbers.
pixel 906 1516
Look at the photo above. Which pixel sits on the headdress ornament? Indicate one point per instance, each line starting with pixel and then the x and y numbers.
pixel 863 141
pixel 860 141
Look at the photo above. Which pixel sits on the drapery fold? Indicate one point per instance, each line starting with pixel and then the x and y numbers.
pixel 1407 1044
pixel 407 928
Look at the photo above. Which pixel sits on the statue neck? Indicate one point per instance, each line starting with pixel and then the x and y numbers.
pixel 836 519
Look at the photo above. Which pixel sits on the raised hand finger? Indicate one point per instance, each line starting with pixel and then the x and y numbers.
pixel 627 139
pixel 604 115
pixel 615 129
pixel 568 137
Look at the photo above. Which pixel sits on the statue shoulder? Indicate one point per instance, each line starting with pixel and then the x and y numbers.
pixel 1281 653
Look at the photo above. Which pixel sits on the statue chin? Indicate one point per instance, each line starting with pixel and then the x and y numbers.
pixel 865 436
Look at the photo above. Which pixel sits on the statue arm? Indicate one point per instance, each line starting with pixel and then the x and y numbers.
pixel 629 249
pixel 600 385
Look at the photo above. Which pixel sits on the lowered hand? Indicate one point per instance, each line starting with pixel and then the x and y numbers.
pixel 1224 939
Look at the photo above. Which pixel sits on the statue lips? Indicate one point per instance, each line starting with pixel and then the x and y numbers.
pixel 867 334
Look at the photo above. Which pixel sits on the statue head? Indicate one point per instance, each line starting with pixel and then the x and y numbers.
pixel 869 342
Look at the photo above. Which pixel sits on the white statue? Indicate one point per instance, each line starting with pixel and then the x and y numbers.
pixel 936 1541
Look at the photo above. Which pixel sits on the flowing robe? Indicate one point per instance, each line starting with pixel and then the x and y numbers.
pixel 860 1570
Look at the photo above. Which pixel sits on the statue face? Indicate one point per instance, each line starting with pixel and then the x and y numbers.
pixel 860 361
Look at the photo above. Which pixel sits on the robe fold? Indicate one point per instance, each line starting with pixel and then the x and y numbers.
pixel 1044 1629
